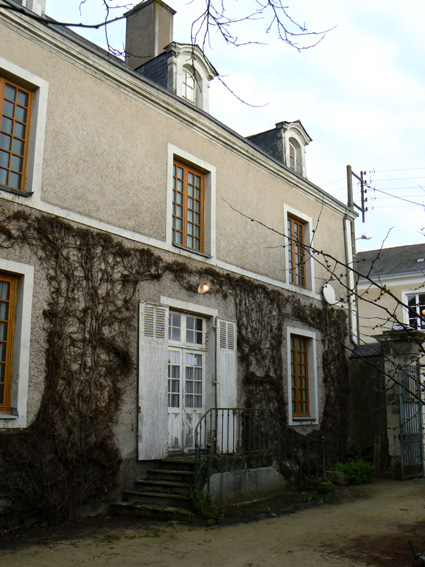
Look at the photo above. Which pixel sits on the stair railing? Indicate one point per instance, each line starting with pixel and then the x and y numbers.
pixel 237 431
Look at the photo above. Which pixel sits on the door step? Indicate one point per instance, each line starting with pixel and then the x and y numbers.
pixel 165 494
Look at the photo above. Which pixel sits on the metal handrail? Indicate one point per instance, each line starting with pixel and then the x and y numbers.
pixel 237 431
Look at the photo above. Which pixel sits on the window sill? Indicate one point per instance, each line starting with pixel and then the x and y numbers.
pixel 15 192
pixel 8 416
pixel 303 419
pixel 197 252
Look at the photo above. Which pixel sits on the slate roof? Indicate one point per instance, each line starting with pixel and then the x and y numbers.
pixel 401 260
pixel 363 351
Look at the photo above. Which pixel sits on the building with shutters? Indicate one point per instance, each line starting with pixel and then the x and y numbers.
pixel 154 264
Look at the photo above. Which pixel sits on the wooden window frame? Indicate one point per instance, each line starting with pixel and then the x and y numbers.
pixel 296 258
pixel 183 233
pixel 14 138
pixel 6 397
pixel 299 371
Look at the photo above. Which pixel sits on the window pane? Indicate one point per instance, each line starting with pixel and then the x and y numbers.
pixel 6 125
pixel 9 91
pixel 21 114
pixel 8 108
pixel 3 331
pixel 3 311
pixel 17 163
pixel 5 142
pixel 19 130
pixel 15 181
pixel 2 352
pixel 18 147
pixel 22 98
pixel 4 159
pixel 3 177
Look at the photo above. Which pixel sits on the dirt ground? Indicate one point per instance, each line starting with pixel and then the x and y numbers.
pixel 367 525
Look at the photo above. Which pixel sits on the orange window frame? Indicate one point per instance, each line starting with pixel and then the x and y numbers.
pixel 188 207
pixel 15 121
pixel 299 377
pixel 296 252
pixel 8 297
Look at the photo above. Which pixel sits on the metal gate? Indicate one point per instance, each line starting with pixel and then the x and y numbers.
pixel 411 438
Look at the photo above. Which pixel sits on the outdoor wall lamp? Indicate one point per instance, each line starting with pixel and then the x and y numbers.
pixel 204 287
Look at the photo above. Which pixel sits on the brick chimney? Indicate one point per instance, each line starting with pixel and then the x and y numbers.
pixel 149 29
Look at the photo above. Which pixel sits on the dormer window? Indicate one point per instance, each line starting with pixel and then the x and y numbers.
pixel 189 86
pixel 292 157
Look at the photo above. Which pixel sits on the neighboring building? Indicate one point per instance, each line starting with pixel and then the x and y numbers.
pixel 401 271
pixel 387 367
pixel 121 202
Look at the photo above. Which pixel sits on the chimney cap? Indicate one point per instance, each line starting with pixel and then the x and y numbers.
pixel 142 5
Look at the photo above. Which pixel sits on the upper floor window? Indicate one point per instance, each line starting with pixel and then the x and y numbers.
pixel 292 156
pixel 8 295
pixel 416 305
pixel 296 252
pixel 188 207
pixel 189 86
pixel 299 377
pixel 15 112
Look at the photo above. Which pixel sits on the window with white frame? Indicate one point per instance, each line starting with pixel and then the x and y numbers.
pixel 416 303
pixel 191 203
pixel 16 288
pixel 23 106
pixel 186 360
pixel 299 267
pixel 302 376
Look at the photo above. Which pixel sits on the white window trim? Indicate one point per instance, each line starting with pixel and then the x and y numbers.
pixel 313 390
pixel 21 348
pixel 309 264
pixel 40 89
pixel 175 153
pixel 188 307
pixel 404 298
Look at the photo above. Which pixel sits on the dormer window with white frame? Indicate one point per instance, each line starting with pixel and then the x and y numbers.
pixel 189 86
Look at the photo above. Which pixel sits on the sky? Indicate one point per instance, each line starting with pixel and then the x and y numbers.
pixel 359 93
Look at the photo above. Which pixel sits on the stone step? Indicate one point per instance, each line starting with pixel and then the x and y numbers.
pixel 178 463
pixel 164 486
pixel 160 513
pixel 171 475
pixel 159 498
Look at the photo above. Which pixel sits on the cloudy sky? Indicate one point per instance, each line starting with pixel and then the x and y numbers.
pixel 360 94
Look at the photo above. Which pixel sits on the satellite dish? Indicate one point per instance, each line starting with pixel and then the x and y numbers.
pixel 329 294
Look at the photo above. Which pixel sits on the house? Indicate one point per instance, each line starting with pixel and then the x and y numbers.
pixel 401 270
pixel 387 366
pixel 154 266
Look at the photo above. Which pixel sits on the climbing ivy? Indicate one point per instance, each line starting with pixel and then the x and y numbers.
pixel 68 455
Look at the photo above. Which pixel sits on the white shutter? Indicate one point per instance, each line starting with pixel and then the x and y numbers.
pixel 226 387
pixel 153 412
pixel 226 364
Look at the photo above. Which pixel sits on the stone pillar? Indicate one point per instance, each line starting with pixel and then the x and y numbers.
pixel 401 347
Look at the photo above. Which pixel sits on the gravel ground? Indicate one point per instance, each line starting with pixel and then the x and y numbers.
pixel 367 525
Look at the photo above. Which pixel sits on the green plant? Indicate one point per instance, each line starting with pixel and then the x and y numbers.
pixel 358 471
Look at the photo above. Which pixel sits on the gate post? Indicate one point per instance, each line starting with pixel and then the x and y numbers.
pixel 401 348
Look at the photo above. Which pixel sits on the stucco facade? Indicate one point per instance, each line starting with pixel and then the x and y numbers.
pixel 99 258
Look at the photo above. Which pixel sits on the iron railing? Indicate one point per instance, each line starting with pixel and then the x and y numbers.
pixel 237 431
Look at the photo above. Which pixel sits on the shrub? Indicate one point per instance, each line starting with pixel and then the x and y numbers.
pixel 358 471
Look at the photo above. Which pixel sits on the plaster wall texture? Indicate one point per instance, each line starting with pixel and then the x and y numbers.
pixel 379 313
pixel 106 157
pixel 244 485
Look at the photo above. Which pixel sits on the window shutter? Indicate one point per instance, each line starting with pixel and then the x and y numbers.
pixel 154 321
pixel 153 413
pixel 227 335
pixel 226 364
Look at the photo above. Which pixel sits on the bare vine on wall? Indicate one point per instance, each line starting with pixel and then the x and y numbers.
pixel 68 455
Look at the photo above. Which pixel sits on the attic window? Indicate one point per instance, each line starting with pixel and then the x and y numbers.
pixel 189 86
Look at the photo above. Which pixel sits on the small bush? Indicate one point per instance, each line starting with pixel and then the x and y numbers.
pixel 358 471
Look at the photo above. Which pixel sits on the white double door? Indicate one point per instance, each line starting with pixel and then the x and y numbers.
pixel 185 374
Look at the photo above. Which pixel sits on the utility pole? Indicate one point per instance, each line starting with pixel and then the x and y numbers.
pixel 363 190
